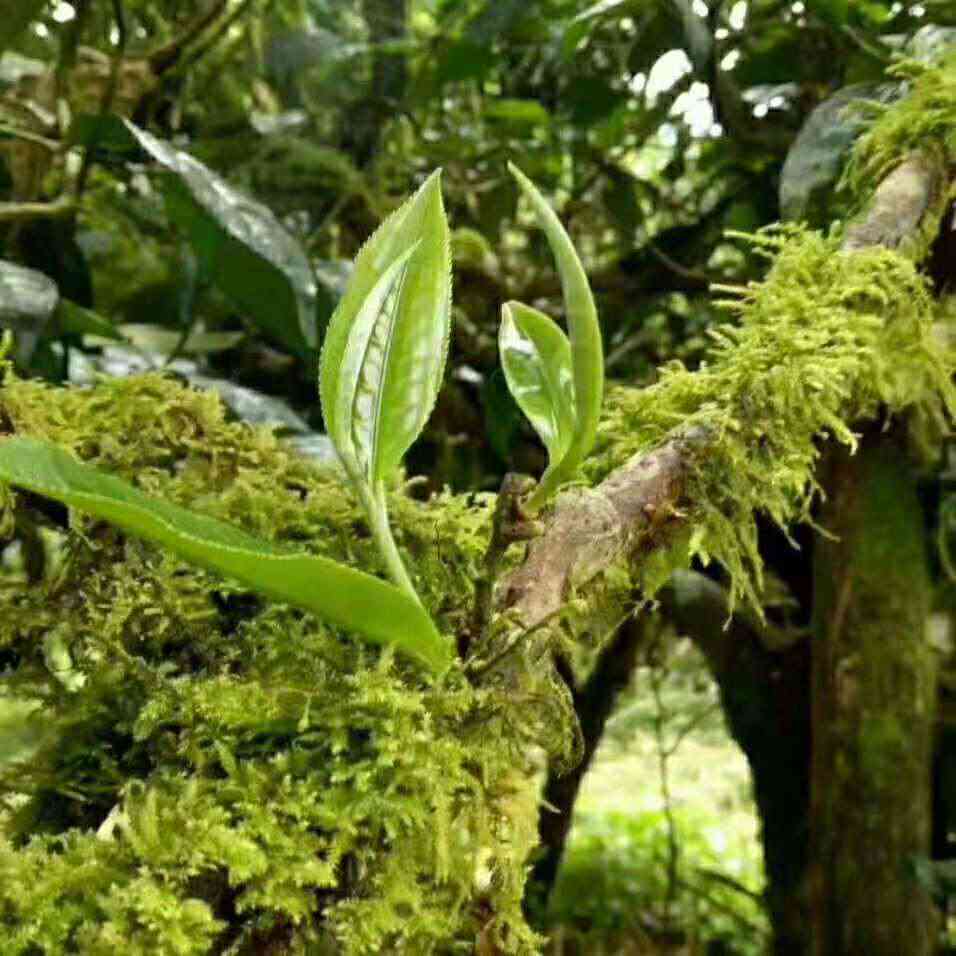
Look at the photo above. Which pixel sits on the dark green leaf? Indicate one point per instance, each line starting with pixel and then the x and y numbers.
pixel 241 243
pixel 817 156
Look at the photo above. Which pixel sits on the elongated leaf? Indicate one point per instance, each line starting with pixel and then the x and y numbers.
pixel 339 594
pixel 536 358
pixel 254 260
pixel 587 356
pixel 385 350
pixel 73 319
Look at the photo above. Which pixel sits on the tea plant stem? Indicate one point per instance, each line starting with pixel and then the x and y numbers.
pixel 382 533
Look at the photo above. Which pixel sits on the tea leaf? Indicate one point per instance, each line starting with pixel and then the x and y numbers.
pixel 587 357
pixel 536 358
pixel 384 354
pixel 351 599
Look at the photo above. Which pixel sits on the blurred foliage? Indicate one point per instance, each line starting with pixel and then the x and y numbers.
pixel 655 125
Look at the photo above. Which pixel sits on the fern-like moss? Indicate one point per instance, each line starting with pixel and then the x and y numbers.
pixel 217 771
pixel 923 118
pixel 827 341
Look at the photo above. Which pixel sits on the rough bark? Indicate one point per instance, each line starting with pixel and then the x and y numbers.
pixel 631 512
pixel 594 703
pixel 765 699
pixel 872 709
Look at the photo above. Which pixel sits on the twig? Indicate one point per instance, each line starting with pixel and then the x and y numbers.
pixel 109 95
pixel 25 211
pixel 508 525
pixel 221 30
pixel 24 134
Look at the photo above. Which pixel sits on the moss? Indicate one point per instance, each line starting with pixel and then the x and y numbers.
pixel 244 765
pixel 923 118
pixel 828 340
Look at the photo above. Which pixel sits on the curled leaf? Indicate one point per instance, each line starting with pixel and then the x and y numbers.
pixel 536 359
pixel 385 350
pixel 587 356
pixel 351 599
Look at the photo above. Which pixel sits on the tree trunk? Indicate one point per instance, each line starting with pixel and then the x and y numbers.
pixel 872 703
pixel 764 694
pixel 386 21
pixel 593 704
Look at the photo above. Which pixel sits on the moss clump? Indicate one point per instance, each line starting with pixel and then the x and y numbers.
pixel 828 340
pixel 220 774
pixel 924 118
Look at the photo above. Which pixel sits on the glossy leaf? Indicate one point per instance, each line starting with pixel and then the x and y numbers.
pixel 254 260
pixel 385 350
pixel 587 357
pixel 341 595
pixel 819 153
pixel 536 359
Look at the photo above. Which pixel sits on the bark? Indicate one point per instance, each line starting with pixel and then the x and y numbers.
pixel 869 805
pixel 630 513
pixel 873 709
pixel 594 703
pixel 386 21
pixel 765 699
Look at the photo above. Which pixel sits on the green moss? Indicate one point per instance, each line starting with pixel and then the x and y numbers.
pixel 245 765
pixel 827 341
pixel 923 118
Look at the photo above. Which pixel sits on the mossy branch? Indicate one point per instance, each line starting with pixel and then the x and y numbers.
pixel 839 331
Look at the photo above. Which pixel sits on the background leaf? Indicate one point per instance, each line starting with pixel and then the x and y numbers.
pixel 348 598
pixel 28 300
pixel 255 261
pixel 816 158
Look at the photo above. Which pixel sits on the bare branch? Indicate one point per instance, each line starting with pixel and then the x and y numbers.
pixel 23 211
pixel 632 510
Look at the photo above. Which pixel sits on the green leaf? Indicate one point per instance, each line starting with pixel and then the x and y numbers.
pixel 818 154
pixel 536 359
pixel 524 114
pixel 351 599
pixel 73 319
pixel 254 260
pixel 384 354
pixel 587 356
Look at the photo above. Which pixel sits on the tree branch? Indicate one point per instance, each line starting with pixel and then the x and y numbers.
pixel 636 508
pixel 632 510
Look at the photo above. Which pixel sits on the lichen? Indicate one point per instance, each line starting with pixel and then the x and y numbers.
pixel 229 771
pixel 827 341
